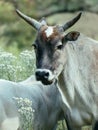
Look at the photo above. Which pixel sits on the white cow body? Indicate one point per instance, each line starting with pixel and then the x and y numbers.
pixel 72 58
pixel 78 82
pixel 46 114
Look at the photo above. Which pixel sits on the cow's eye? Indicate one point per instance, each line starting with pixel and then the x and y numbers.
pixel 59 47
pixel 34 46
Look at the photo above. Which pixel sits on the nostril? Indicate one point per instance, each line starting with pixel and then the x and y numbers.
pixel 38 76
pixel 41 75
pixel 37 73
pixel 46 75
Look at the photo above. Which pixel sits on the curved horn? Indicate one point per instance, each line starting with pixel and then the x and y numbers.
pixel 72 22
pixel 29 20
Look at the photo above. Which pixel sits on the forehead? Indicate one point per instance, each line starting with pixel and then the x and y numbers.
pixel 48 33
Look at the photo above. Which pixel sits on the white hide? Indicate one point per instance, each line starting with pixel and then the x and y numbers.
pixel 79 86
pixel 10 124
pixel 49 31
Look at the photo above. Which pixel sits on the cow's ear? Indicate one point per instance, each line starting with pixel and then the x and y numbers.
pixel 72 36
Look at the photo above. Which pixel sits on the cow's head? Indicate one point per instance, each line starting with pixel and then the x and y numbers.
pixel 50 47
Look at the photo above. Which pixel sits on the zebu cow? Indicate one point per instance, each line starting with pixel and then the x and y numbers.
pixel 45 102
pixel 72 59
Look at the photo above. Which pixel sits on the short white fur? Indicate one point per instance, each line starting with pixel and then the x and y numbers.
pixel 8 125
pixel 49 31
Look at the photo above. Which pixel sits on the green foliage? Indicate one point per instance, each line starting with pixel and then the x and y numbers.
pixel 62 125
pixel 16 68
pixel 15 33
pixel 6 13
pixel 26 113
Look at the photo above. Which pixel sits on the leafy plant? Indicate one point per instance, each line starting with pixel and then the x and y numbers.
pixel 26 112
pixel 17 68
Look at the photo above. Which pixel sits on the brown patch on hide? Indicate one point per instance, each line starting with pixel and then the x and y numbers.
pixel 42 33
pixel 54 35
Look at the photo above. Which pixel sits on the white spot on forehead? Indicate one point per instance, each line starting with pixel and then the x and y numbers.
pixel 49 31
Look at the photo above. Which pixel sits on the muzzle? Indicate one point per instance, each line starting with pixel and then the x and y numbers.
pixel 45 76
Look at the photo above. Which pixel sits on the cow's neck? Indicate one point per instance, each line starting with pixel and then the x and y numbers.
pixel 78 81
pixel 70 80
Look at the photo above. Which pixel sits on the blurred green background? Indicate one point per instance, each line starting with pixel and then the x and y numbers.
pixel 16 35
pixel 17 59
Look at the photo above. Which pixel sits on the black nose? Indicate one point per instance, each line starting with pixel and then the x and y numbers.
pixel 42 75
